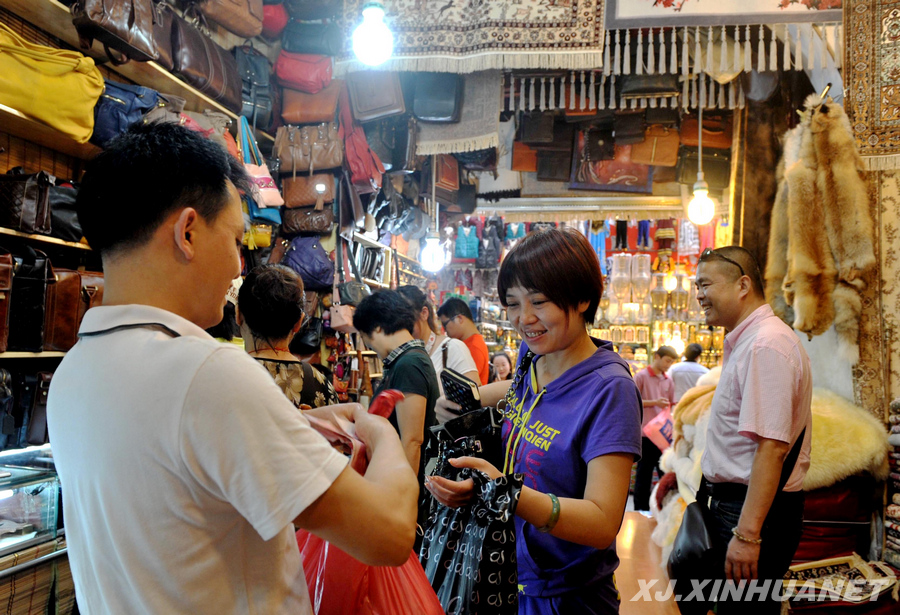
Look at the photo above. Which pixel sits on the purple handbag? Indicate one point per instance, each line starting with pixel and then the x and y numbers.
pixel 307 257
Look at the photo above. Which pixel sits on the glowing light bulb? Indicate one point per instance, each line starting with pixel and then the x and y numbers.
pixel 670 282
pixel 432 254
pixel 373 42
pixel 701 209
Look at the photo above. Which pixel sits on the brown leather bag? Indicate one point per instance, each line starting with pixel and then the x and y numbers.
pixel 25 201
pixel 300 191
pixel 659 147
pixel 243 17
pixel 524 158
pixel 375 95
pixel 168 109
pixel 309 148
pixel 6 277
pixel 141 30
pixel 69 297
pixel 317 219
pixel 717 132
pixel 205 65
pixel 301 108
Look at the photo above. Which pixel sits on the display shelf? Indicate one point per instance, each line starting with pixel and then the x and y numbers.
pixel 415 275
pixel 45 239
pixel 31 355
pixel 371 282
pixel 55 18
pixel 378 375
pixel 20 125
pixel 368 242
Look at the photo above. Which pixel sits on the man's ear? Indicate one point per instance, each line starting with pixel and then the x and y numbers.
pixel 746 287
pixel 184 232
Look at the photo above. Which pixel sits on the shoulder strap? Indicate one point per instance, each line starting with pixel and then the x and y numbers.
pixel 791 461
pixel 445 349
pixel 351 256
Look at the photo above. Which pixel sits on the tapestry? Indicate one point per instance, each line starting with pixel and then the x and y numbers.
pixel 646 13
pixel 464 36
pixel 479 123
pixel 872 75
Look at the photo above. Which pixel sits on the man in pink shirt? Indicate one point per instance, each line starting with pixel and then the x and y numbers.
pixel 758 440
pixel 658 393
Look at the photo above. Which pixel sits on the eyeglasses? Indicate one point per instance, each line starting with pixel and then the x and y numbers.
pixel 709 252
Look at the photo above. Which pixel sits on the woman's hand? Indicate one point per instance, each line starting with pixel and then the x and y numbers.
pixel 459 493
pixel 444 409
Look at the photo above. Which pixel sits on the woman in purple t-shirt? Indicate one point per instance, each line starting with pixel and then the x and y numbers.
pixel 572 427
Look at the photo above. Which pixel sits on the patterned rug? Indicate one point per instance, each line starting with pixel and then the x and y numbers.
pixel 464 36
pixel 479 122
pixel 872 73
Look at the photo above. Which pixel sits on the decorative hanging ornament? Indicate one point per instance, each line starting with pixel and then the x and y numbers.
pixel 723 59
pixel 639 61
pixel 651 55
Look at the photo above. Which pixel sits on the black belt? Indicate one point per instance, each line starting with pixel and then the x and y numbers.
pixel 735 492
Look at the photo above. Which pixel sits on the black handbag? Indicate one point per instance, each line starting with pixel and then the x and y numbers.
pixel 309 338
pixel 352 292
pixel 650 86
pixel 536 129
pixel 256 86
pixel 63 214
pixel 312 38
pixel 716 166
pixel 600 143
pixel 27 307
pixel 438 97
pixel 25 201
pixel 628 128
pixel 554 166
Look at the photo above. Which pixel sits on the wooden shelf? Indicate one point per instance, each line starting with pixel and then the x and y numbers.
pixel 366 241
pixel 378 375
pixel 56 19
pixel 18 124
pixel 31 355
pixel 415 275
pixel 375 284
pixel 45 239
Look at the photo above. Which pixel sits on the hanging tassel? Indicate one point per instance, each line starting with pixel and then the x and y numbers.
pixel 663 67
pixel 786 62
pixel 748 52
pixel 731 102
pixel 522 106
pixel 741 100
pixel 838 47
pixel 601 101
pixel 592 102
pixel 583 104
pixel 543 93
pixel 511 101
pixel 711 104
pixel 685 93
pixel 697 58
pixel 709 50
pixel 643 103
pixel 815 50
pixel 531 94
pixel 761 51
pixel 694 87
pixel 617 66
pixel 811 48
pixel 654 103
pixel 607 69
pixel 552 93
pixel 673 53
pixel 562 92
pixel 612 92
pixel 773 51
pixel 651 55
pixel 798 50
pixel 639 60
pixel 721 102
pixel 685 64
pixel 572 91
pixel 736 67
pixel 723 60
pixel 823 48
pixel 626 59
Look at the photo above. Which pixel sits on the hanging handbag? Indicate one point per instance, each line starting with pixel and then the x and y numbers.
pixel 301 108
pixel 307 257
pixel 318 219
pixel 536 129
pixel 6 280
pixel 69 297
pixel 265 191
pixel 314 10
pixel 63 215
pixel 243 17
pixel 141 30
pixel 366 170
pixel 205 65
pixel 26 310
pixel 717 132
pixel 600 143
pixel 309 148
pixel 301 191
pixel 716 166
pixel 354 291
pixel 120 106
pixel 25 201
pixel 55 86
pixel 312 38
pixel 306 210
pixel 524 158
pixel 309 338
pixel 660 147
pixel 275 20
pixel 554 166
pixel 628 128
pixel 36 433
pixel 375 95
pixel 303 72
pixel 256 86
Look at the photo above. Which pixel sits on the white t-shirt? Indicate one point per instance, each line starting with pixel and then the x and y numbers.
pixel 685 375
pixel 183 465
pixel 459 359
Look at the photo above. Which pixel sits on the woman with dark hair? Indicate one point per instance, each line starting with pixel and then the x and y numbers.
pixel 572 426
pixel 502 366
pixel 270 312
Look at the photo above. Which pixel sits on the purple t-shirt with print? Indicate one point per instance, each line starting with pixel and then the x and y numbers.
pixel 592 409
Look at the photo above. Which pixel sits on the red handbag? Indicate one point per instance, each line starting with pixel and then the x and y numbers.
pixel 275 19
pixel 303 72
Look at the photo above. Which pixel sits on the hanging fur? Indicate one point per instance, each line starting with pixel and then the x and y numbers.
pixel 847 309
pixel 809 282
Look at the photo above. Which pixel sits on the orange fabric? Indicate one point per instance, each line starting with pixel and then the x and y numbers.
pixel 479 352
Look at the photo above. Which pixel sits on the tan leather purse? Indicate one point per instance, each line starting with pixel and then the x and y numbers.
pixel 309 148
pixel 659 148
pixel 300 191
pixel 301 108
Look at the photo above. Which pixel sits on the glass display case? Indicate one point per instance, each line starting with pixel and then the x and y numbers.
pixel 29 500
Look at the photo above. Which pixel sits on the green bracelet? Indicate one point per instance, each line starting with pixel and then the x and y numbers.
pixel 554 515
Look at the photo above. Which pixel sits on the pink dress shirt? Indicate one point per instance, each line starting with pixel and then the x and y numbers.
pixel 654 386
pixel 765 391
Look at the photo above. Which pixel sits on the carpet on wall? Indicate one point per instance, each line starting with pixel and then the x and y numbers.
pixel 479 122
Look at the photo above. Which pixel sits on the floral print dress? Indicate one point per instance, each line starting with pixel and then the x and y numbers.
pixel 302 383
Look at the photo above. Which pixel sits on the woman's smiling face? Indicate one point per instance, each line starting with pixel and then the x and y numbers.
pixel 541 323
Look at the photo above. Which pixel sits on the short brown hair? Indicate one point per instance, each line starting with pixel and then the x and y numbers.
pixel 666 351
pixel 560 264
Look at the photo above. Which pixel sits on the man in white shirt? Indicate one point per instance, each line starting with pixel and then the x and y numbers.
pixel 686 374
pixel 184 466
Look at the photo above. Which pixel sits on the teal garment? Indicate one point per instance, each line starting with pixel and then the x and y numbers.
pixel 518 233
pixel 467 242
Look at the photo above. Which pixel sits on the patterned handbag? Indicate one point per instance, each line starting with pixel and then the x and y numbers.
pixel 265 187
pixel 301 191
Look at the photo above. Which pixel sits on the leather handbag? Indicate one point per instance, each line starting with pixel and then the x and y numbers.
pixel 353 292
pixel 375 95
pixel 308 258
pixel 256 86
pixel 303 72
pixel 301 108
pixel 6 280
pixel 69 297
pixel 717 132
pixel 168 109
pixel 300 191
pixel 661 115
pixel 366 170
pixel 536 129
pixel 649 86
pixel 25 201
pixel 554 166
pixel 275 19
pixel 628 128
pixel 37 433
pixel 140 30
pixel 447 184
pixel 212 125
pixel 438 97
pixel 716 167
pixel 309 339
pixel 659 148
pixel 600 143
pixel 205 65
pixel 524 158
pixel 265 192
pixel 479 160
pixel 120 106
pixel 393 140
pixel 563 136
pixel 312 38
pixel 243 17
pixel 63 215
pixel 314 10
pixel 26 310
pixel 317 219
pixel 309 148
pixel 55 86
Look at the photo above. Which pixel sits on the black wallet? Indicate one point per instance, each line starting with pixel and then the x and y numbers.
pixel 461 390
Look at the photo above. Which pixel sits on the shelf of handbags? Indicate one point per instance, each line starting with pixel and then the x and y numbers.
pixel 20 125
pixel 44 239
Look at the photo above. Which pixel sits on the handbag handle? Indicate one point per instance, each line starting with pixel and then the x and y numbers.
pixel 251 152
pixel 351 256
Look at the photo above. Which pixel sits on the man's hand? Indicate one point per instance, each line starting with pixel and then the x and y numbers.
pixel 444 409
pixel 741 561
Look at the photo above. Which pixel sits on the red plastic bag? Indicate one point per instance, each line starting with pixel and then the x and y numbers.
pixel 341 585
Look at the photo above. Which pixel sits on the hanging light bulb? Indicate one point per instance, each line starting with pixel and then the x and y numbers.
pixel 432 254
pixel 701 209
pixel 373 42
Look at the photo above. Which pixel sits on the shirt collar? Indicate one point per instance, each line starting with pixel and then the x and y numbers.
pixel 106 318
pixel 399 350
pixel 654 374
pixel 760 313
